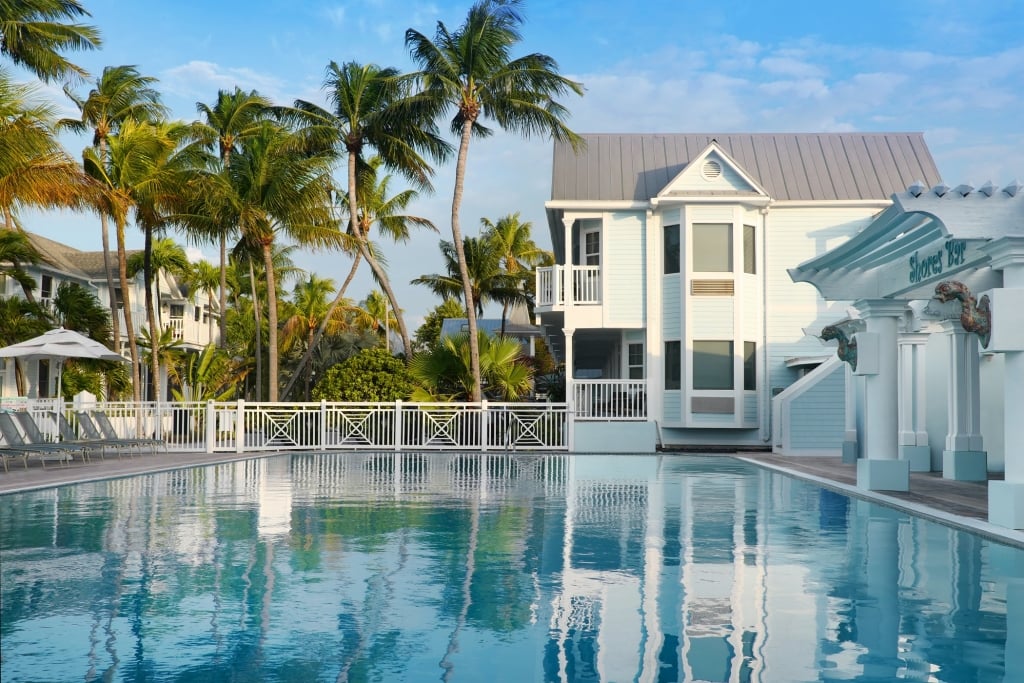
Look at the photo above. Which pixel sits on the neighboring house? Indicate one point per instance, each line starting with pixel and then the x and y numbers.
pixel 194 324
pixel 670 303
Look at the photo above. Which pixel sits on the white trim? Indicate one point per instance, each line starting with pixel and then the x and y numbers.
pixel 830 203
pixel 596 205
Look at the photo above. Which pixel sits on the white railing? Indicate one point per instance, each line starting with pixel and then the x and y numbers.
pixel 241 427
pixel 610 399
pixel 586 281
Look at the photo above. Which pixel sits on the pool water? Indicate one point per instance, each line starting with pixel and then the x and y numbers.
pixel 463 567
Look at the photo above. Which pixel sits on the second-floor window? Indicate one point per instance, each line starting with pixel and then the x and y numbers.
pixel 749 250
pixel 671 249
pixel 46 287
pixel 712 247
pixel 592 247
pixel 177 311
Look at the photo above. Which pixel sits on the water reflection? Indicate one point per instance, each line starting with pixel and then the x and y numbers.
pixel 407 567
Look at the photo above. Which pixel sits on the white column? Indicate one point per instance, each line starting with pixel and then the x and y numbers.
pixel 570 388
pixel 850 442
pixel 964 457
pixel 1006 498
pixel 880 468
pixel 568 290
pixel 913 438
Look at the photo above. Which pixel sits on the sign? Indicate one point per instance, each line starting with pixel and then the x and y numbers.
pixel 924 266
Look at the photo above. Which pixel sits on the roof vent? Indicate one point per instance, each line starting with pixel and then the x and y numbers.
pixel 711 169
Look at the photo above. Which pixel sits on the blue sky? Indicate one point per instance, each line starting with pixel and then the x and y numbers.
pixel 951 69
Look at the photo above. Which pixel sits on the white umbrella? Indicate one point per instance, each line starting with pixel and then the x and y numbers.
pixel 57 345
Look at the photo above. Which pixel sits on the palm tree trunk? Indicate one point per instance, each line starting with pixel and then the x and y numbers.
pixel 309 368
pixel 30 296
pixel 268 263
pixel 259 333
pixel 209 318
pixel 115 323
pixel 382 278
pixel 467 287
pixel 223 293
pixel 122 271
pixel 154 333
pixel 307 357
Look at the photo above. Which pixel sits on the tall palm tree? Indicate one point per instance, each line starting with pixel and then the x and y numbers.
pixel 225 125
pixel 120 94
pixel 377 208
pixel 519 254
pixel 310 312
pixel 33 33
pixel 376 311
pixel 470 71
pixel 204 278
pixel 281 188
pixel 371 108
pixel 165 256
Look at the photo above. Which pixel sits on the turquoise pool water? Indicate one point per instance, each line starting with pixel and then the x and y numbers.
pixel 494 568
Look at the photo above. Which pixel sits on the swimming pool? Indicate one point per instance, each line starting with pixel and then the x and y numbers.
pixel 402 567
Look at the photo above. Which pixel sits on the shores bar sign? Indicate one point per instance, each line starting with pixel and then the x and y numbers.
pixel 932 263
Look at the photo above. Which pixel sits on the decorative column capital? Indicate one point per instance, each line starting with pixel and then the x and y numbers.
pixel 1005 252
pixel 881 308
pixel 975 316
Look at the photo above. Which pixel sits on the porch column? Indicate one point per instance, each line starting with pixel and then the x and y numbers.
pixel 570 389
pixel 913 438
pixel 568 290
pixel 1006 498
pixel 880 469
pixel 964 458
pixel 850 444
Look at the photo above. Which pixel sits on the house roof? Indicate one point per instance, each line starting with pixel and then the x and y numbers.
pixel 789 166
pixel 87 265
pixel 453 326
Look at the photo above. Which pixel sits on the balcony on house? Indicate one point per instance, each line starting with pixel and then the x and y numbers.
pixel 610 399
pixel 553 295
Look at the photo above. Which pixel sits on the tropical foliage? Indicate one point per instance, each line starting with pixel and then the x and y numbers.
pixel 370 375
pixel 444 372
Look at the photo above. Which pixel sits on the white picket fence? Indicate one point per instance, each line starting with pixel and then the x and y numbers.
pixel 241 426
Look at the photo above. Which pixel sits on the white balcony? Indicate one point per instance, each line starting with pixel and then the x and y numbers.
pixel 552 293
pixel 610 399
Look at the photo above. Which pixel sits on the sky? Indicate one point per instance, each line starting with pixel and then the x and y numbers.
pixel 949 69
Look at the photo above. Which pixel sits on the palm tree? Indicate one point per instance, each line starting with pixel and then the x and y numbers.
pixel 16 249
pixel 281 187
pixel 488 281
pixel 225 125
pixel 471 72
pixel 166 256
pixel 371 107
pixel 444 373
pixel 32 34
pixel 166 352
pixel 310 312
pixel 374 309
pixel 120 94
pixel 210 375
pixel 519 254
pixel 204 278
pixel 376 208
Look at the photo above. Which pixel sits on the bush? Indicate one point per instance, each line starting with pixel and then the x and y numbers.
pixel 371 375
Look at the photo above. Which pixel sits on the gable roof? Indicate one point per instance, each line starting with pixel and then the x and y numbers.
pixel 87 265
pixel 789 166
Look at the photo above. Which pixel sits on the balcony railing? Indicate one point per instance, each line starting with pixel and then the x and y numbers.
pixel 586 285
pixel 610 399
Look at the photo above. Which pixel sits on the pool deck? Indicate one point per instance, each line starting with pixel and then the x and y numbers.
pixel 957 503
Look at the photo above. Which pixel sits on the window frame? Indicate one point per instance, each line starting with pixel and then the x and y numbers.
pixel 675 250
pixel 630 365
pixel 673 365
pixel 701 229
pixel 703 364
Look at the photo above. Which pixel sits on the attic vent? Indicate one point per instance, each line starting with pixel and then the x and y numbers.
pixel 711 169
pixel 711 287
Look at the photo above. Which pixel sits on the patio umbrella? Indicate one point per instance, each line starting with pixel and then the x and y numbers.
pixel 57 345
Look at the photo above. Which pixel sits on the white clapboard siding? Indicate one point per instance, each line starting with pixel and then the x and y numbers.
pixel 671 307
pixel 817 417
pixel 711 317
pixel 625 279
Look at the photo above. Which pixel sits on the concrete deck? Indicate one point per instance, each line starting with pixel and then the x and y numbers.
pixel 957 503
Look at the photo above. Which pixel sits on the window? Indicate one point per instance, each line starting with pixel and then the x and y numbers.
pixel 635 360
pixel 177 310
pixel 119 298
pixel 749 366
pixel 671 249
pixel 592 247
pixel 46 287
pixel 712 365
pixel 43 388
pixel 673 365
pixel 712 247
pixel 196 313
pixel 749 250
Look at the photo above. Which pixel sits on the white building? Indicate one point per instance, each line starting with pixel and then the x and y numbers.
pixel 194 323
pixel 669 301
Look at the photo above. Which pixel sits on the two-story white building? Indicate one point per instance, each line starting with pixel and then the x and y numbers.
pixel 193 322
pixel 670 302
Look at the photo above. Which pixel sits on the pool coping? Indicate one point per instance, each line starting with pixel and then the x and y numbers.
pixel 980 527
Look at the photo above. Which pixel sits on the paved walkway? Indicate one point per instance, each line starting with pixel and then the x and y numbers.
pixel 958 503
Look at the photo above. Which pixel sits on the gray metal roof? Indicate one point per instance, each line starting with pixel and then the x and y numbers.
pixel 789 166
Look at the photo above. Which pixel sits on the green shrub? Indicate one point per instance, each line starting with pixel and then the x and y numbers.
pixel 369 376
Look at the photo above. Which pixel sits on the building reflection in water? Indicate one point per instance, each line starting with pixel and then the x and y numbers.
pixel 445 566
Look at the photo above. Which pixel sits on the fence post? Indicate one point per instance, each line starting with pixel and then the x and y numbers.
pixel 570 428
pixel 240 426
pixel 398 425
pixel 211 427
pixel 484 420
pixel 323 424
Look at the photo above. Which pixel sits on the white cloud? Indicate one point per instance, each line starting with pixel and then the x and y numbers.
pixel 198 79
pixel 335 14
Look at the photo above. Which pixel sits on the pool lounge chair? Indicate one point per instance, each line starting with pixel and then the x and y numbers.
pixel 67 433
pixel 102 420
pixel 92 429
pixel 35 436
pixel 14 443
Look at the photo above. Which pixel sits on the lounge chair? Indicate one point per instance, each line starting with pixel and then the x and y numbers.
pixel 92 431
pixel 35 437
pixel 15 443
pixel 67 433
pixel 102 421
